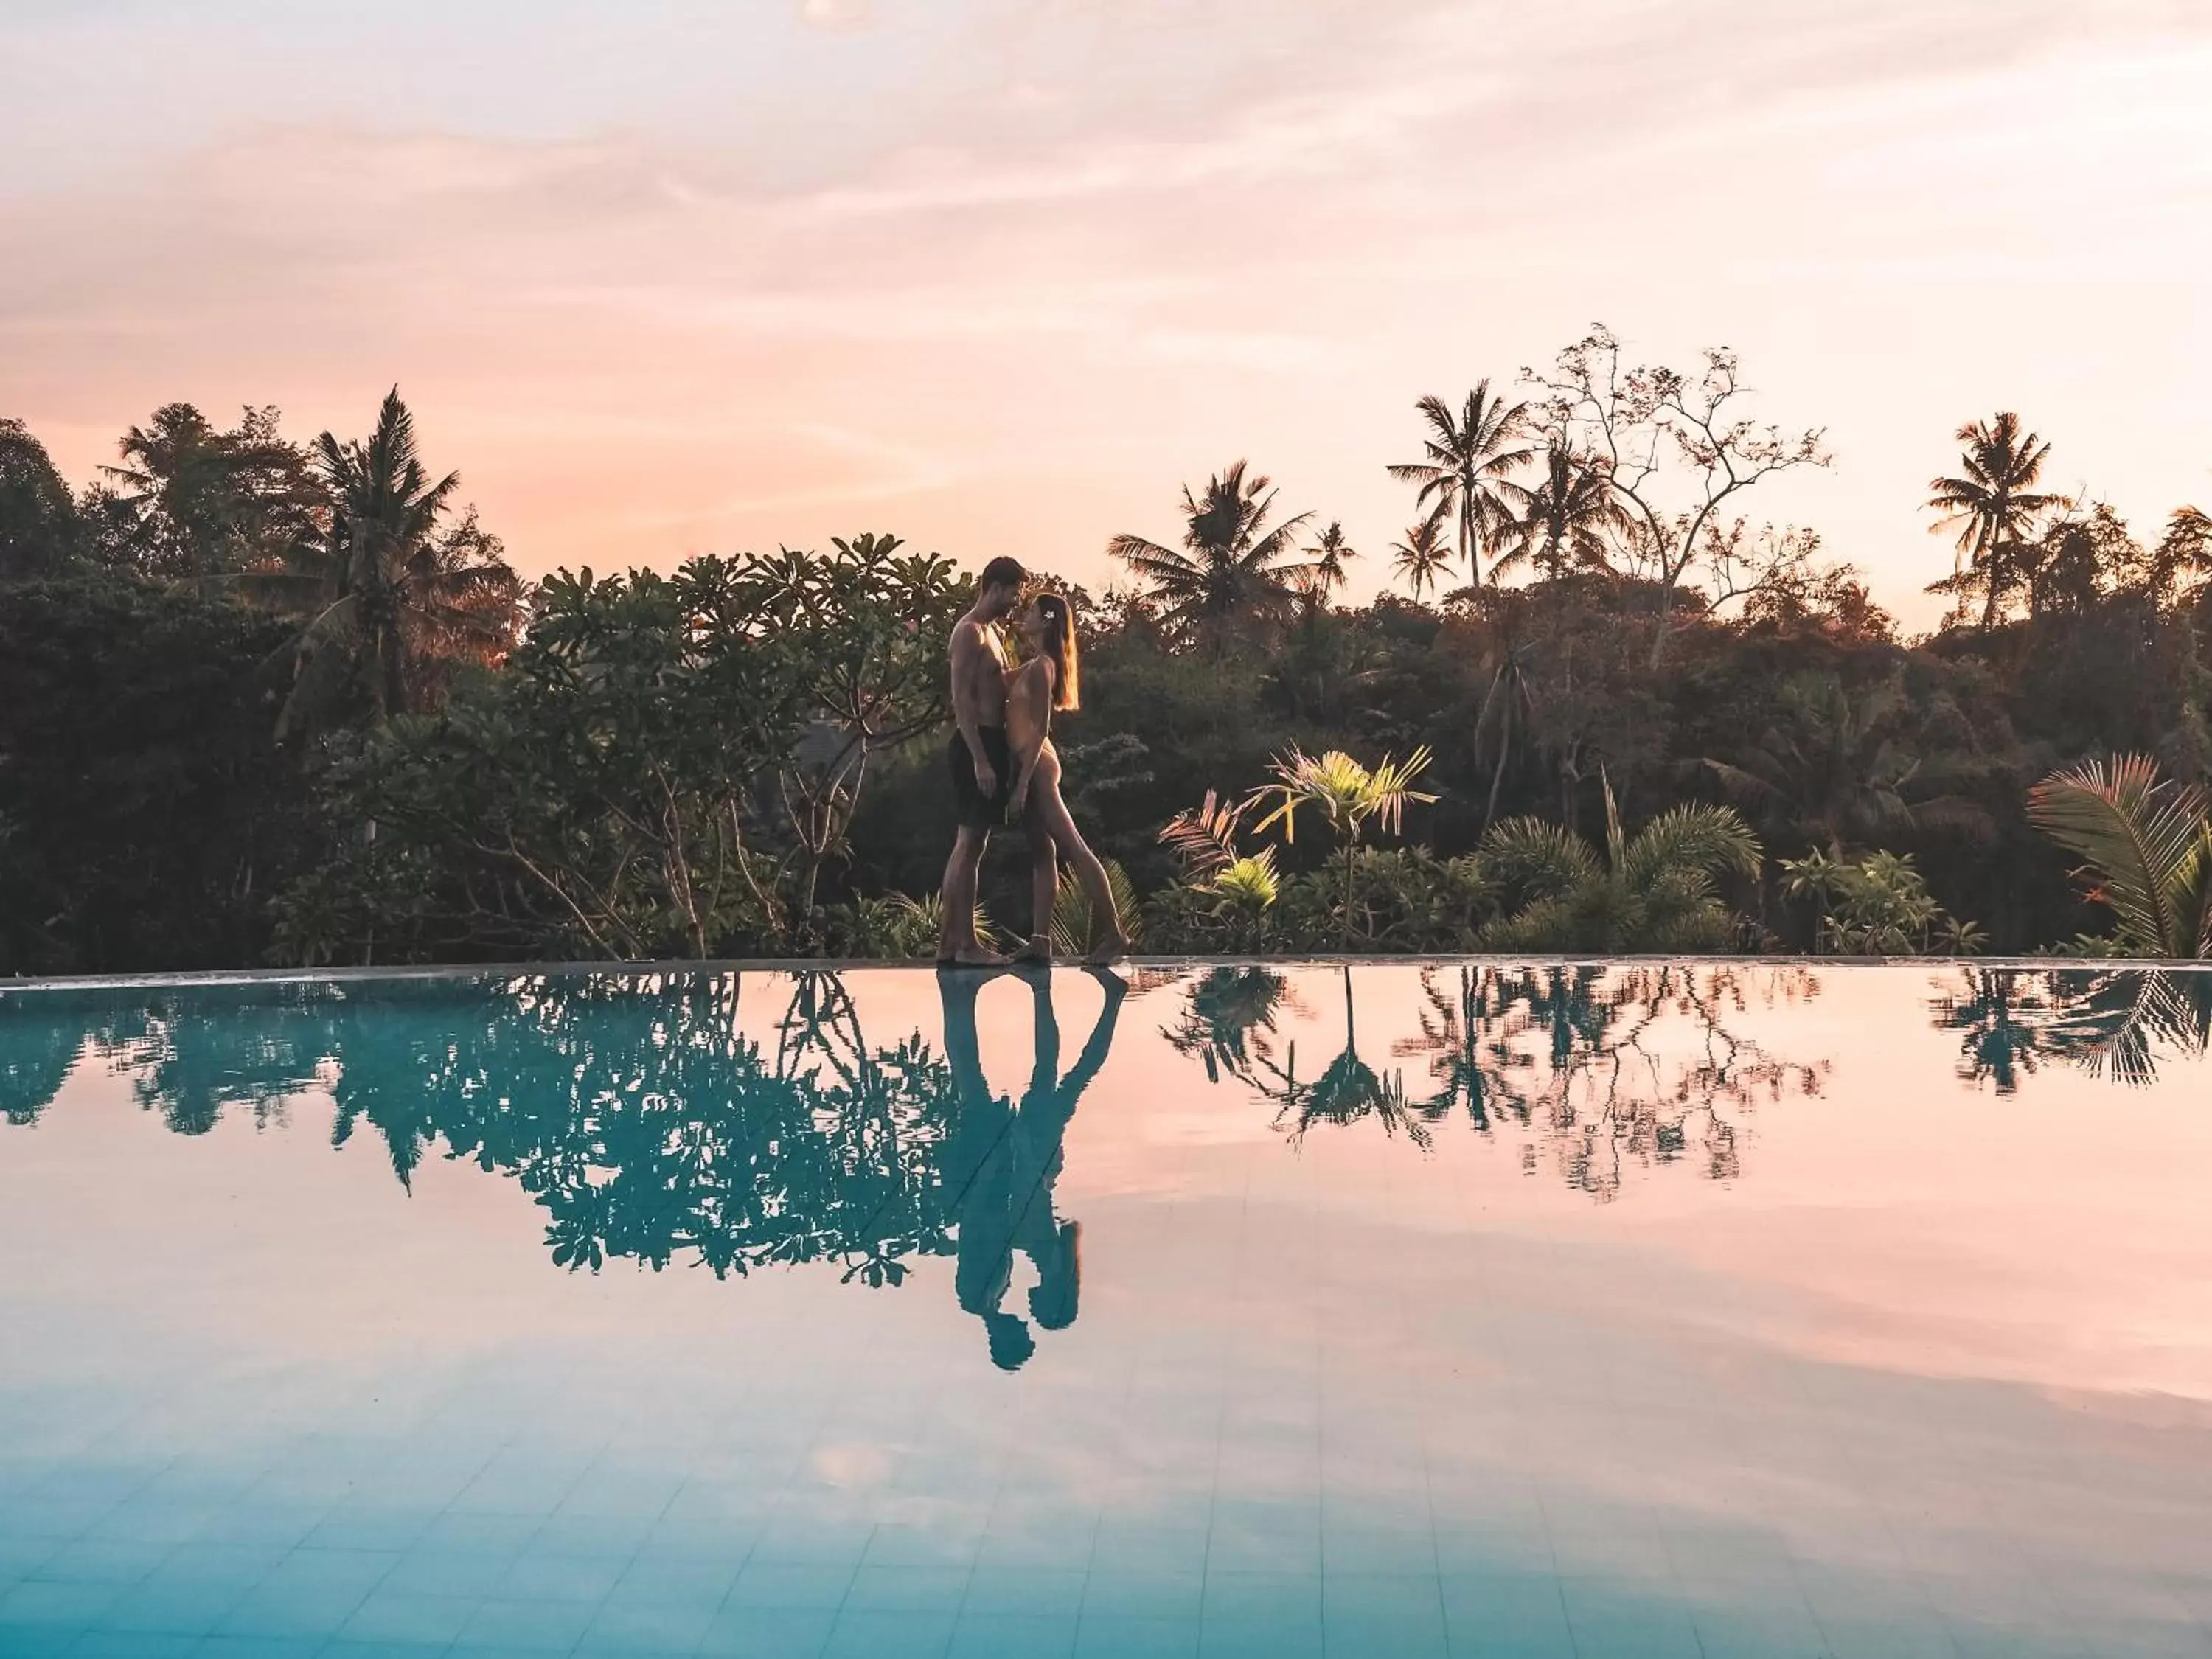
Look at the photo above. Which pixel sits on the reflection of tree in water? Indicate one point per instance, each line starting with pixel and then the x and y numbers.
pixel 2115 1022
pixel 1229 1019
pixel 1587 1060
pixel 634 1108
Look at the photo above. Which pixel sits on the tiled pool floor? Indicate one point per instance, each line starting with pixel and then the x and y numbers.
pixel 1704 1312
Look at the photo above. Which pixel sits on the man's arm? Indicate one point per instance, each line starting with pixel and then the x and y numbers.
pixel 967 648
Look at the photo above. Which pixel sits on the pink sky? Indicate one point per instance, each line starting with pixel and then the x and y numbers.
pixel 1001 275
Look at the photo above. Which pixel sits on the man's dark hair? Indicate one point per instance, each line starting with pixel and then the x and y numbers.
pixel 1003 571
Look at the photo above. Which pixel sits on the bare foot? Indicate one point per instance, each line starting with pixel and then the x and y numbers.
pixel 1111 949
pixel 1038 950
pixel 972 956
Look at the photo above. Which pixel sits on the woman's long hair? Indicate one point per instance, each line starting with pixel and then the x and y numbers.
pixel 1060 646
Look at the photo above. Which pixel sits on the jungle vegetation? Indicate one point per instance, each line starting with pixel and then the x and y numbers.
pixel 271 702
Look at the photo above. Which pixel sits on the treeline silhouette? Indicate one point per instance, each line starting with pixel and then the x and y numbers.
pixel 262 701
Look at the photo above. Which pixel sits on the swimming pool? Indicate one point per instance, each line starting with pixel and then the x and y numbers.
pixel 1706 1309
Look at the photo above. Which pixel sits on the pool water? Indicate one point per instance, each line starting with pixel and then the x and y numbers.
pixel 1389 1310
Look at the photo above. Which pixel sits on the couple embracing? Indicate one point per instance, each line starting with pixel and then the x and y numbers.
pixel 1005 771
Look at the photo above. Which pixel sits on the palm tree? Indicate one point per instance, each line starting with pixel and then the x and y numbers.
pixel 1329 555
pixel 1424 556
pixel 399 597
pixel 1565 520
pixel 1994 506
pixel 1235 571
pixel 1832 770
pixel 2146 846
pixel 1655 891
pixel 1467 467
pixel 1348 794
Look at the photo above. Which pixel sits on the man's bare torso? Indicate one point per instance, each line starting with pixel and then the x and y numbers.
pixel 979 677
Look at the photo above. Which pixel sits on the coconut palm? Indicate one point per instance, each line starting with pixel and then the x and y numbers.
pixel 193 503
pixel 1655 891
pixel 2146 847
pixel 1993 505
pixel 1328 556
pixel 1467 468
pixel 1347 794
pixel 1565 521
pixel 1424 556
pixel 1234 573
pixel 399 596
pixel 1834 770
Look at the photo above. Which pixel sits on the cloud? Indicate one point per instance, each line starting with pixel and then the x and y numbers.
pixel 835 14
pixel 1037 263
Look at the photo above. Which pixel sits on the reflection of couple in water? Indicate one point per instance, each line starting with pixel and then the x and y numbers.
pixel 1002 1162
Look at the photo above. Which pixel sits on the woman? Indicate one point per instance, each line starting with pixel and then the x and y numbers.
pixel 1050 679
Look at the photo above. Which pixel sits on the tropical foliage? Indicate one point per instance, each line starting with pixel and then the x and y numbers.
pixel 1642 721
pixel 2146 847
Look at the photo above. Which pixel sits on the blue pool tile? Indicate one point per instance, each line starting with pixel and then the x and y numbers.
pixel 1148 1546
pixel 623 1629
pixel 915 1589
pixel 620 1536
pixel 534 1576
pixel 393 1616
pixel 909 1544
pixel 36 1604
pixel 175 1606
pixel 1757 1633
pixel 1509 1615
pixel 662 1579
pixel 1401 1614
pixel 791 1584
pixel 767 1633
pixel 258 1647
pixel 487 1533
pixel 867 1635
pixel 144 1520
pixel 102 1561
pixel 1275 1597
pixel 356 1527
pixel 814 1540
pixel 1239 1638
pixel 335 1573
pixel 1605 1623
pixel 1144 1594
pixel 1011 1636
pixel 344 1649
pixel 281 1526
pixel 1055 1592
pixel 1137 1638
pixel 433 1572
pixel 1048 1541
pixel 555 1626
pixel 132 1645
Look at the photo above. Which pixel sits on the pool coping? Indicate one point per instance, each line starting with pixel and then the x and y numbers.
pixel 215 978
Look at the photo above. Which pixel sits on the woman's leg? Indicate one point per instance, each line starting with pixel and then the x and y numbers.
pixel 1088 869
pixel 1044 876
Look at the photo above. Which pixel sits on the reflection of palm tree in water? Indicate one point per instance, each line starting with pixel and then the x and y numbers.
pixel 1003 1162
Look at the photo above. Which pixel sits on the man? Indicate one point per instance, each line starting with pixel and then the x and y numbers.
pixel 982 763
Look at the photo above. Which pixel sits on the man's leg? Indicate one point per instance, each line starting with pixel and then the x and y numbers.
pixel 956 934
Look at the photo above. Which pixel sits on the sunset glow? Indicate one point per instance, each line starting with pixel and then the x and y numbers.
pixel 1001 275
